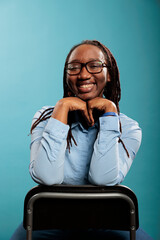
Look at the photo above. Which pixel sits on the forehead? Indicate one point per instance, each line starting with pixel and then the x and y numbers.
pixel 86 52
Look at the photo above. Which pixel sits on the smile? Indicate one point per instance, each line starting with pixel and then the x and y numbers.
pixel 90 85
pixel 86 88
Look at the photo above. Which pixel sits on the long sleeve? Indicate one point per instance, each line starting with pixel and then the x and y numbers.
pixel 110 163
pixel 48 145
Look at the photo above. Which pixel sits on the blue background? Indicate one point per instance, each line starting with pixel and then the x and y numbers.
pixel 35 37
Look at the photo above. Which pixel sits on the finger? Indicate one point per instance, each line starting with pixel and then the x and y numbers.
pixel 86 115
pixel 90 113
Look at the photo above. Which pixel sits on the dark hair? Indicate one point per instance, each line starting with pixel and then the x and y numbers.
pixel 112 90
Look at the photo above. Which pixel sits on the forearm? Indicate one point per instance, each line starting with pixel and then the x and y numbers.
pixel 61 111
pixel 104 167
pixel 110 163
pixel 48 153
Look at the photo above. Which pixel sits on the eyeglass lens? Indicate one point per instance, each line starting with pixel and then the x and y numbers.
pixel 92 67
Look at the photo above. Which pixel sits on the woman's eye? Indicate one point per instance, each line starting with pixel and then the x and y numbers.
pixel 73 67
pixel 94 66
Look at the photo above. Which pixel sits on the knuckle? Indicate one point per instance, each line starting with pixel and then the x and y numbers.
pixel 83 109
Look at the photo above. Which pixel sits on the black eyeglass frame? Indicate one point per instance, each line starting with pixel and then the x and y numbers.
pixel 85 65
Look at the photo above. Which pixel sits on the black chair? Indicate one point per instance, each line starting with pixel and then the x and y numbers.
pixel 81 207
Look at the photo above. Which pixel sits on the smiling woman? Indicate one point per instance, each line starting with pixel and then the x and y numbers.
pixel 90 78
pixel 84 139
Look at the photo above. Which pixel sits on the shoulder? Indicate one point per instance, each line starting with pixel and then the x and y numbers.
pixel 44 110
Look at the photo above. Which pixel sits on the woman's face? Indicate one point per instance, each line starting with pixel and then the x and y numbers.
pixel 87 85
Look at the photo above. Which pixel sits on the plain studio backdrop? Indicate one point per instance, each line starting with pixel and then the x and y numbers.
pixel 35 37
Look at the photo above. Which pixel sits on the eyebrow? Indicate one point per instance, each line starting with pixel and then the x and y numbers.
pixel 90 59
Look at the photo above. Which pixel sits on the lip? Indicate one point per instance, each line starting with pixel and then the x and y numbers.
pixel 85 82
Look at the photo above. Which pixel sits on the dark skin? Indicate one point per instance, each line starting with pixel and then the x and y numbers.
pixel 85 89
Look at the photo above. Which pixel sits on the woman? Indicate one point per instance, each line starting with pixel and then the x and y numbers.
pixel 84 138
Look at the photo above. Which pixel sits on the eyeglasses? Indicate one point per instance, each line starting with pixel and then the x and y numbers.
pixel 94 66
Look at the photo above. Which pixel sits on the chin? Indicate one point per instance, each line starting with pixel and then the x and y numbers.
pixel 86 98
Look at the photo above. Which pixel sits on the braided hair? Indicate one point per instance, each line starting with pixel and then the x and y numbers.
pixel 112 90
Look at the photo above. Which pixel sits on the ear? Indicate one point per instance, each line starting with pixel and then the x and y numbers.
pixel 108 77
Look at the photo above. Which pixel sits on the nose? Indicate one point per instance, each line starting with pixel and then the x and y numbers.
pixel 84 74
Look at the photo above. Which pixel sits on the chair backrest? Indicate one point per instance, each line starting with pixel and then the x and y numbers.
pixel 80 207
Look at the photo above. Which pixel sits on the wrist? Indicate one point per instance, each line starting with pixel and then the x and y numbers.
pixel 109 114
pixel 60 111
pixel 111 107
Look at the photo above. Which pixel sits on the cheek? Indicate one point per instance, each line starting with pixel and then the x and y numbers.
pixel 102 81
pixel 105 75
pixel 70 83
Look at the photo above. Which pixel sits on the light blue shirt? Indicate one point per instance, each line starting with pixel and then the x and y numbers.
pixel 98 157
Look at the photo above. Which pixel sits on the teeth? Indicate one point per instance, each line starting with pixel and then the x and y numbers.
pixel 86 86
